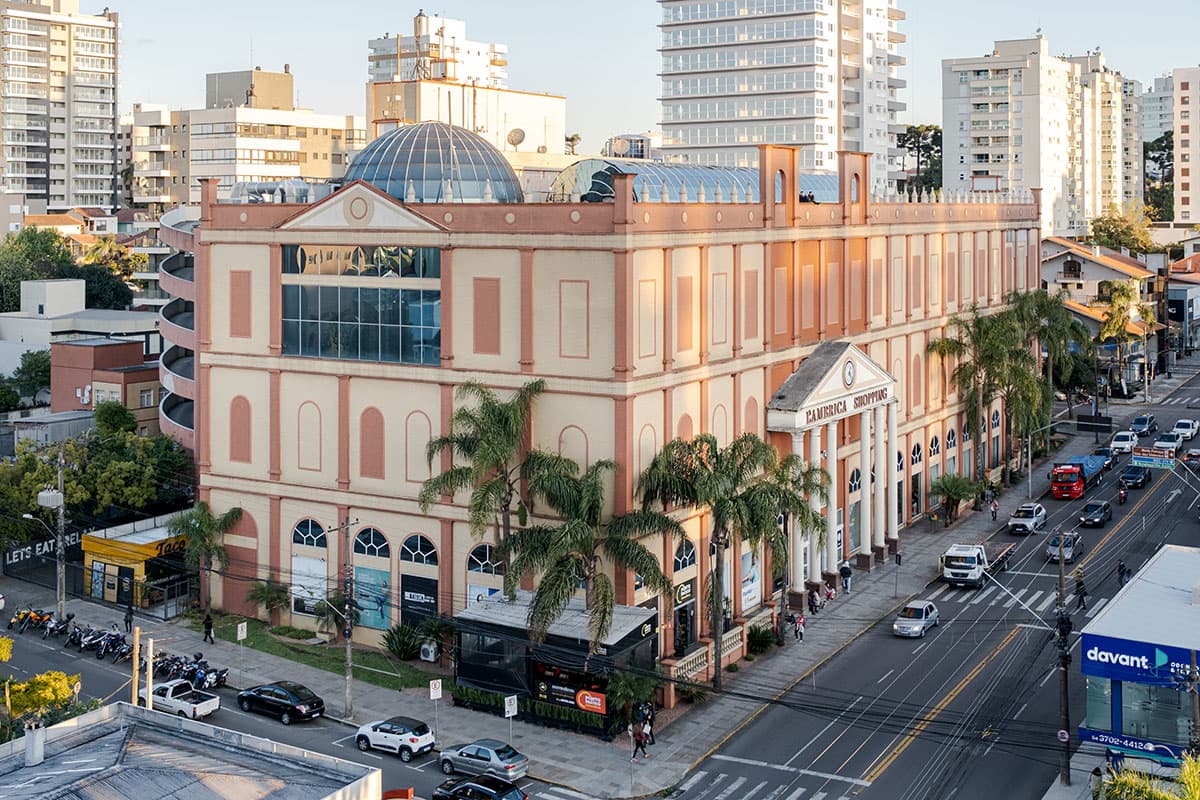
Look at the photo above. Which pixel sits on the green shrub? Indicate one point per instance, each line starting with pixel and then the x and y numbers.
pixel 748 657
pixel 696 695
pixel 288 632
pixel 732 667
pixel 759 639
pixel 403 641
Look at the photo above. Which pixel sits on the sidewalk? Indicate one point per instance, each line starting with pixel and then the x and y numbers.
pixel 586 764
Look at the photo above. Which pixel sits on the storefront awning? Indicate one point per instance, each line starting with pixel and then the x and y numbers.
pixel 571 625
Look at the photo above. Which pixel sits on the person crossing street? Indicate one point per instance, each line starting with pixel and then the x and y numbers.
pixel 847 573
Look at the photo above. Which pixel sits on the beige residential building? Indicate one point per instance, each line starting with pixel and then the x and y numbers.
pixel 268 140
pixel 1021 118
pixel 1187 144
pixel 59 103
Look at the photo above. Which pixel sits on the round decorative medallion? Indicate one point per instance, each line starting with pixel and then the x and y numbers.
pixel 576 216
pixel 848 373
pixel 720 216
pixel 447 217
pixel 243 217
pixel 683 216
pixel 359 209
pixel 510 218
pixel 646 217
pixel 751 215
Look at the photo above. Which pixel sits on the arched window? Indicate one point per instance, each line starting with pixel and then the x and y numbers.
pixel 995 419
pixel 899 462
pixel 779 186
pixel 308 533
pixel 483 559
pixel 685 555
pixel 854 188
pixel 419 550
pixel 935 446
pixel 855 482
pixel 916 454
pixel 951 439
pixel 966 434
pixel 370 542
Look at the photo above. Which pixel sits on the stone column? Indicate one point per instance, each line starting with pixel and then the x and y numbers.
pixel 866 555
pixel 831 552
pixel 814 556
pixel 796 566
pixel 893 513
pixel 878 542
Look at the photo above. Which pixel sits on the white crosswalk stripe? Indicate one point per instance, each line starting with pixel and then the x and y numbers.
pixel 982 595
pixel 939 591
pixel 692 781
pixel 993 598
pixel 1012 601
pixel 1091 612
pixel 1029 601
pixel 1046 603
pixel 796 794
pixel 733 787
pixel 561 793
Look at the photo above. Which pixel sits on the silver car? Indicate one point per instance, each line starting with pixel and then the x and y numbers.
pixel 485 757
pixel 916 618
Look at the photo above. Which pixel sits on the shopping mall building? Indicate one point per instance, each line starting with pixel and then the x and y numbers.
pixel 318 346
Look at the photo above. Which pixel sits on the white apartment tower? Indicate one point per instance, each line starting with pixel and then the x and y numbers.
pixel 1187 144
pixel 1133 180
pixel 1158 105
pixel 438 50
pixel 1021 118
pixel 818 74
pixel 59 96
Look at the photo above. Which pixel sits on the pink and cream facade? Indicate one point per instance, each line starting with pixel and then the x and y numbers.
pixel 804 323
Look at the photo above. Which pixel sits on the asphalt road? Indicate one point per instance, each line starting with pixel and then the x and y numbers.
pixel 973 706
pixel 101 679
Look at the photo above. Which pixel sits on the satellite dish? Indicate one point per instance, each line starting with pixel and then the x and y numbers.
pixel 620 146
pixel 516 136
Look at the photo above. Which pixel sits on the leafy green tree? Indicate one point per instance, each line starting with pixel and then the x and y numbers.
pixel 975 353
pixel 1127 227
pixel 924 142
pixel 205 534
pixel 1043 319
pixel 1017 384
pixel 953 489
pixel 270 595
pixel 1125 305
pixel 628 689
pixel 10 399
pixel 487 443
pixel 799 485
pixel 44 250
pixel 572 142
pixel 102 287
pixel 1130 785
pixel 734 485
pixel 33 373
pixel 112 417
pixel 107 252
pixel 1159 160
pixel 576 549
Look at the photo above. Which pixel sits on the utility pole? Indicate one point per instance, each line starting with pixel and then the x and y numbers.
pixel 59 555
pixel 1194 683
pixel 348 621
pixel 136 659
pixel 1064 662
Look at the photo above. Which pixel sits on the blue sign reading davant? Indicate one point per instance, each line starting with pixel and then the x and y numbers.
pixel 1125 660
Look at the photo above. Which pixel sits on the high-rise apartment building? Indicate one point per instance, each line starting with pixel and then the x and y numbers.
pixel 438 50
pixel 436 75
pixel 817 74
pixel 1133 158
pixel 1158 104
pixel 1187 143
pixel 263 139
pixel 59 98
pixel 1020 118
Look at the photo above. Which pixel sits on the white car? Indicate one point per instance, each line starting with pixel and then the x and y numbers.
pixel 1169 441
pixel 1028 518
pixel 404 736
pixel 1124 442
pixel 1187 428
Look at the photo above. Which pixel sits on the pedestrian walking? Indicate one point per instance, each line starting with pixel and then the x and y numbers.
pixel 798 629
pixel 208 625
pixel 648 724
pixel 639 742
pixel 1122 573
pixel 129 618
pixel 995 507
pixel 847 573
pixel 813 601
pixel 1081 598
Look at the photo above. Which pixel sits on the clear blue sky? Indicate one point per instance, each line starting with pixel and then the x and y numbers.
pixel 601 55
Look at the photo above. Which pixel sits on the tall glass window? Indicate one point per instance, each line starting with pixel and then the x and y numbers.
pixel 1158 713
pixel 1099 703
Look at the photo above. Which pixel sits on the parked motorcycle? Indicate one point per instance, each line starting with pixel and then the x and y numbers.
pixel 162 663
pixel 32 617
pixel 19 616
pixel 58 627
pixel 111 641
pixel 93 640
pixel 76 635
pixel 122 651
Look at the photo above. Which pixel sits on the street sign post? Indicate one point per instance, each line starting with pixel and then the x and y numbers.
pixel 241 637
pixel 435 694
pixel 1153 457
pixel 510 711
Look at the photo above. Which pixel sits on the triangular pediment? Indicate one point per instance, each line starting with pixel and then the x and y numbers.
pixel 837 380
pixel 360 206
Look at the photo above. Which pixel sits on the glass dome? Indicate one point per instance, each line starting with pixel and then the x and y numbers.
pixel 432 162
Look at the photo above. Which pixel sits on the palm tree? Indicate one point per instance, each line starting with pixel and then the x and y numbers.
pixel 573 551
pixel 572 142
pixel 1125 305
pixel 795 480
pixel 976 353
pixel 1022 391
pixel 1046 320
pixel 1129 784
pixel 628 689
pixel 204 534
pixel 118 258
pixel 487 440
pixel 734 484
pixel 270 595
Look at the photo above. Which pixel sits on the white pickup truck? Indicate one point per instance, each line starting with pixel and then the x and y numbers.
pixel 970 564
pixel 178 697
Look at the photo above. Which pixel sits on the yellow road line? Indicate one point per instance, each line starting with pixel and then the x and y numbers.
pixel 1095 550
pixel 880 767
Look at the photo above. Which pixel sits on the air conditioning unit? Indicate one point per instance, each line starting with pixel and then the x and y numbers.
pixel 429 651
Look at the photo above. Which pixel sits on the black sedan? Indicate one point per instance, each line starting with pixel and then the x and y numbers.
pixel 1095 514
pixel 1110 458
pixel 284 699
pixel 485 787
pixel 1135 477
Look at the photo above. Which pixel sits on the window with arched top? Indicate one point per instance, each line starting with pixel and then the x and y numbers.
pixel 855 482
pixel 483 559
pixel 951 439
pixel 966 434
pixel 370 542
pixel 308 533
pixel 854 188
pixel 779 186
pixel 935 446
pixel 419 550
pixel 916 454
pixel 995 419
pixel 899 462
pixel 685 555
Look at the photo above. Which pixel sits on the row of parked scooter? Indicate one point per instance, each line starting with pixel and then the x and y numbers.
pixel 111 642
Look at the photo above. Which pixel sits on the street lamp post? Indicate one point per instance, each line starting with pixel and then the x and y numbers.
pixel 53 498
